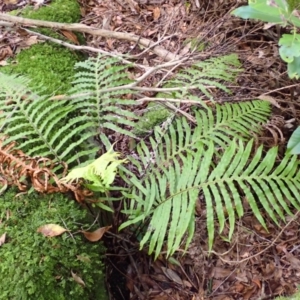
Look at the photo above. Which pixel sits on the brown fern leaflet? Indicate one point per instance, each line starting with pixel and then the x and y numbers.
pixel 18 169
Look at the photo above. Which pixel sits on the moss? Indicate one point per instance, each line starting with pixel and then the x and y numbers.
pixel 46 64
pixel 64 11
pixel 49 64
pixel 33 266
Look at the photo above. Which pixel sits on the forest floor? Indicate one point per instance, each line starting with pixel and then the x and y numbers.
pixel 255 264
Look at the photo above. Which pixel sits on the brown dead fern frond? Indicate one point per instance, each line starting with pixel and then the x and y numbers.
pixel 18 169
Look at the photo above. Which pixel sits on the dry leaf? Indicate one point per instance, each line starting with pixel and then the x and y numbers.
pixel 83 258
pixel 30 41
pixel 294 261
pixel 2 239
pixel 78 279
pixel 270 99
pixel 156 13
pixel 96 235
pixel 172 275
pixel 51 230
pixel 70 36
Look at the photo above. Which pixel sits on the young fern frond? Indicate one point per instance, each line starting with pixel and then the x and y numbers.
pixel 101 103
pixel 178 163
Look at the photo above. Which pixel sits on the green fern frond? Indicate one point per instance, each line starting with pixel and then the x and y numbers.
pixel 106 109
pixel 63 130
pixel 211 72
pixel 261 181
pixel 169 193
pixel 41 127
pixel 173 170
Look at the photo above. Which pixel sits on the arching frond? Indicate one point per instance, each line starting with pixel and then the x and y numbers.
pixel 177 167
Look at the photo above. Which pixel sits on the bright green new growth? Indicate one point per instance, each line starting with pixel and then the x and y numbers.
pixel 100 173
pixel 278 12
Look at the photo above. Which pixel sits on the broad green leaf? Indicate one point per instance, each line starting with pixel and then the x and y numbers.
pixel 294 68
pixel 293 145
pixel 269 15
pixel 289 47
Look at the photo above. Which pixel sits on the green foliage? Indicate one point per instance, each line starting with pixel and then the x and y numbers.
pixel 98 86
pixel 293 146
pixel 98 175
pixel 40 126
pixel 165 192
pixel 207 73
pixel 49 65
pixel 198 78
pixel 60 130
pixel 278 12
pixel 176 165
pixel 33 266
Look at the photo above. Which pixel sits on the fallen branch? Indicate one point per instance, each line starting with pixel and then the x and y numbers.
pixel 158 50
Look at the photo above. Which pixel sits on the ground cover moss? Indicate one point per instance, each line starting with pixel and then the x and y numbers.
pixel 33 266
pixel 48 64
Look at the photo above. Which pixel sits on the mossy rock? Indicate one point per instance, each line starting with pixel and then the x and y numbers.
pixel 33 266
pixel 47 64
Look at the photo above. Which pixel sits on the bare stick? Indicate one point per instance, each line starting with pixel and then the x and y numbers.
pixel 85 48
pixel 158 50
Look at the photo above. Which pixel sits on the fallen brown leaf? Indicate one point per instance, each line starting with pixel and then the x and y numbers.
pixel 51 230
pixel 78 279
pixel 156 13
pixel 96 235
pixel 70 36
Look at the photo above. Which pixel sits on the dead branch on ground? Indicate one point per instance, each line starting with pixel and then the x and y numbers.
pixel 158 50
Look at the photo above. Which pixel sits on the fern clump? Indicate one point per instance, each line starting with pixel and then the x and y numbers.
pixel 181 163
pixel 178 162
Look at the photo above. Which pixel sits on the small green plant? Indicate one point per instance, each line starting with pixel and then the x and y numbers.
pixel 279 12
pixel 98 175
pixel 33 266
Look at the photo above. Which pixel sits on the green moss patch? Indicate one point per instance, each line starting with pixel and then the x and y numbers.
pixel 48 64
pixel 33 266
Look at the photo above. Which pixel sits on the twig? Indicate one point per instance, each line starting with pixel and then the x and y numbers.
pixel 149 99
pixel 85 48
pixel 176 109
pixel 158 50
